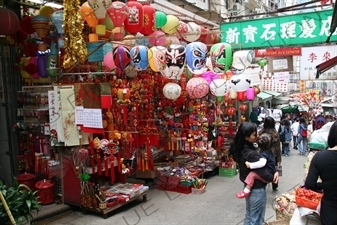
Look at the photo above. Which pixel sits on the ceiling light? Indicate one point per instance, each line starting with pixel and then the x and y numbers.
pixel 51 4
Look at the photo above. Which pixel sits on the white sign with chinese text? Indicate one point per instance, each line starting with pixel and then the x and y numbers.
pixel 269 84
pixel 280 64
pixel 281 77
pixel 313 56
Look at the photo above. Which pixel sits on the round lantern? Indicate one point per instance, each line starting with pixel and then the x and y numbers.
pixel 46 11
pixel 232 93
pixel 88 15
pixel 41 25
pixel 157 58
pixel 209 76
pixel 172 91
pixel 196 54
pixel 118 12
pixel 99 7
pixel 57 19
pixel 242 59
pixel 157 38
pixel 139 58
pixel 262 63
pixel 52 61
pixel 9 22
pixel 241 95
pixel 135 20
pixel 219 87
pixel 161 19
pixel 175 61
pixel 239 83
pixel 203 34
pixel 257 90
pixel 230 111
pixel 149 25
pixel 221 57
pixel 193 32
pixel 197 87
pixel 171 25
pixel 108 23
pixel 121 56
pixel 182 29
pixel 26 24
pixel 108 62
pixel 250 94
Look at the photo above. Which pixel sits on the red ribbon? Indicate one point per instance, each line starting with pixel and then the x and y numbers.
pixel 106 166
pixel 112 169
pixel 99 165
pixel 92 160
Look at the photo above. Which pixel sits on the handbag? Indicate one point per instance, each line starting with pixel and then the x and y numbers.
pixel 304 133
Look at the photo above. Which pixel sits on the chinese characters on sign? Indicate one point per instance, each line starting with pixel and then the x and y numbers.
pixel 278 52
pixel 311 57
pixel 281 77
pixel 270 84
pixel 295 29
pixel 280 64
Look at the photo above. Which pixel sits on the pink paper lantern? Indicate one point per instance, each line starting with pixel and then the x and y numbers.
pixel 197 87
pixel 157 38
pixel 250 94
pixel 108 62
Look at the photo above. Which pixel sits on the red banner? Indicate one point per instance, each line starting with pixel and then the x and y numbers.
pixel 278 52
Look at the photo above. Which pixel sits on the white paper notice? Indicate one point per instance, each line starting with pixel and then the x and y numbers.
pixel 92 118
pixel 79 115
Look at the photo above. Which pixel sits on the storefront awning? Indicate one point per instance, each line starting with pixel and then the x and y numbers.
pixel 264 96
pixel 325 66
pixel 273 93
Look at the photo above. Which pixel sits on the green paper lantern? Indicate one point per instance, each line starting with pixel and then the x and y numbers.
pixel 161 19
pixel 262 63
pixel 108 23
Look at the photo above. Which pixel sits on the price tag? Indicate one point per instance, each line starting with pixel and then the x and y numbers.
pixel 125 90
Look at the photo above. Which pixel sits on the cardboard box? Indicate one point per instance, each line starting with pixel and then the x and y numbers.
pixel 146 174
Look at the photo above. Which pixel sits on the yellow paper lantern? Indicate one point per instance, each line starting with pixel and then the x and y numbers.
pixel 93 37
pixel 46 11
pixel 232 93
pixel 171 25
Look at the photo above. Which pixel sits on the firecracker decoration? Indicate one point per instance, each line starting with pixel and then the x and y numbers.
pixel 74 43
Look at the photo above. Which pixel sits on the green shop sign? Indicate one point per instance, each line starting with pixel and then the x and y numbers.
pixel 290 30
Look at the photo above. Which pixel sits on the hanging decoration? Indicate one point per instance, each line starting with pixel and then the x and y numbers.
pixel 118 12
pixel 9 22
pixel 197 87
pixel 88 15
pixel 172 91
pixel 193 32
pixel 108 62
pixel 242 59
pixel 161 19
pixel 239 83
pixel 149 25
pixel 171 25
pixel 219 87
pixel 46 11
pixel 139 57
pixel 135 20
pixel 157 58
pixel 99 7
pixel 250 94
pixel 41 25
pixel 243 108
pixel 157 38
pixel 221 57
pixel 121 56
pixel 196 54
pixel 175 60
pixel 52 61
pixel 74 44
pixel 57 19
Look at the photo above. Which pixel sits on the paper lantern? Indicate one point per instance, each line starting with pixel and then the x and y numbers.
pixel 118 33
pixel 175 61
pixel 57 19
pixel 241 95
pixel 257 90
pixel 121 57
pixel 242 59
pixel 230 111
pixel 107 47
pixel 240 83
pixel 221 57
pixel 157 58
pixel 209 76
pixel 172 91
pixel 250 94
pixel 149 25
pixel 262 63
pixel 42 65
pixel 118 12
pixel 99 7
pixel 139 57
pixel 53 61
pixel 203 34
pixel 32 68
pixel 196 54
pixel 182 29
pixel 171 25
pixel 95 52
pixel 41 25
pixel 129 40
pixel 100 30
pixel 170 40
pixel 108 62
pixel 197 87
pixel 219 87
pixel 157 38
pixel 46 11
pixel 193 32
pixel 232 93
pixel 88 15
pixel 25 24
pixel 108 23
pixel 9 22
pixel 161 19
pixel 135 20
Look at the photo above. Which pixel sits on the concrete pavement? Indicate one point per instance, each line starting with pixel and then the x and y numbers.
pixel 218 205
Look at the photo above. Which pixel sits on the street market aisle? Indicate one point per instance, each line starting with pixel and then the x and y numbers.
pixel 218 205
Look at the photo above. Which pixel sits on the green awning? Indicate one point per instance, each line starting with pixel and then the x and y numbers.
pixel 264 95
pixel 289 109
pixel 273 93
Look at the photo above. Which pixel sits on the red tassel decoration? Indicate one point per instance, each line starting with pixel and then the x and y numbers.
pixel 92 160
pixel 106 166
pixel 112 169
pixel 125 115
pixel 148 150
pixel 230 130
pixel 99 165
pixel 119 164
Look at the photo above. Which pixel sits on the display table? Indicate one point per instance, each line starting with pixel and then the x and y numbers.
pixel 105 212
pixel 297 219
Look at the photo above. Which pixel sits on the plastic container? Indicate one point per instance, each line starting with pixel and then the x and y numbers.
pixel 198 191
pixel 227 172
pixel 27 179
pixel 184 189
pixel 46 191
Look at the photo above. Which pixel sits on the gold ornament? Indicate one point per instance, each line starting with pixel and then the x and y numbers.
pixel 74 44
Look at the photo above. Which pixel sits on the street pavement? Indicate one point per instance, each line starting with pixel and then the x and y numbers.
pixel 218 205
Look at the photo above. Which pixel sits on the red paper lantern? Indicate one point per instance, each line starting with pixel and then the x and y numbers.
pixel 135 20
pixel 230 111
pixel 9 22
pixel 243 107
pixel 149 25
pixel 203 34
pixel 241 96
pixel 26 26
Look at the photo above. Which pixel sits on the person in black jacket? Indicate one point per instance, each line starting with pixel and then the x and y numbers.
pixel 322 175
pixel 243 150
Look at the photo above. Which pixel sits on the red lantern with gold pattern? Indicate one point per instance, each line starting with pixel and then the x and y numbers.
pixel 230 111
pixel 243 108
pixel 149 25
pixel 135 20
pixel 9 22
